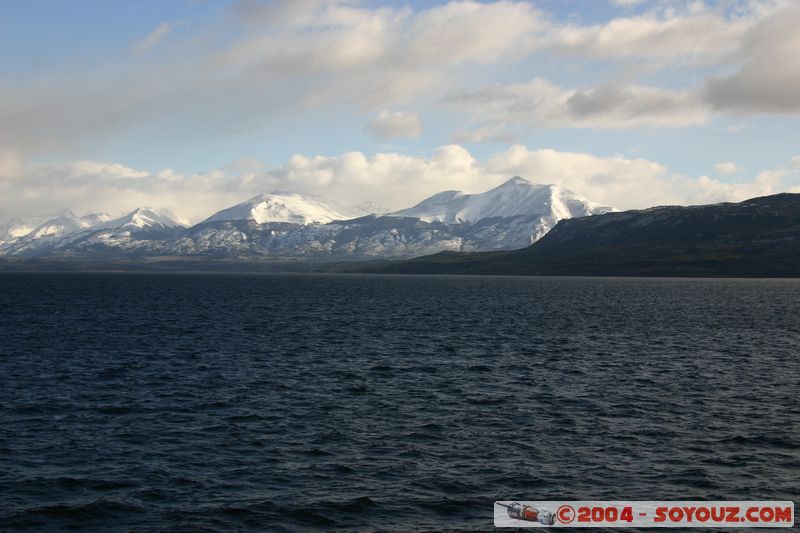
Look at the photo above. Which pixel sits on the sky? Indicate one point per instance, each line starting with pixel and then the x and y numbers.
pixel 194 105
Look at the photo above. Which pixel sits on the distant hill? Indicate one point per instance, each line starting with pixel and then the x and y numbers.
pixel 755 238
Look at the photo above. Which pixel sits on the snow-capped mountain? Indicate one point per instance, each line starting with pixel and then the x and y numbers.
pixel 516 197
pixel 20 226
pixel 283 207
pixel 52 233
pixel 754 238
pixel 142 230
pixel 142 219
pixel 65 224
pixel 69 232
pixel 510 216
pixel 290 225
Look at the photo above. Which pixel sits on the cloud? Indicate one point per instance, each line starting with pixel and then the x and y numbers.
pixel 708 190
pixel 762 39
pixel 395 125
pixel 485 134
pixel 769 80
pixel 630 183
pixel 727 167
pixel 541 103
pixel 154 38
pixel 696 34
pixel 390 179
pixel 11 163
pixel 607 180
pixel 384 55
pixel 278 57
pixel 267 59
pixel 761 36
pixel 627 3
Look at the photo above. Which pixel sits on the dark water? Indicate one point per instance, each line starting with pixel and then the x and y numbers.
pixel 283 403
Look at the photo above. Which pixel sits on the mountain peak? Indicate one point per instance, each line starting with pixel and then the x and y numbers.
pixel 516 180
pixel 143 217
pixel 281 206
pixel 543 205
pixel 514 197
pixel 520 182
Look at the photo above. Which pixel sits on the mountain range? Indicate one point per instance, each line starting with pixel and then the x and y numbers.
pixel 283 225
pixel 759 237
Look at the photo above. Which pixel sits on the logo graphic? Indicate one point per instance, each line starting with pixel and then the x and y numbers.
pixel 640 514
pixel 517 511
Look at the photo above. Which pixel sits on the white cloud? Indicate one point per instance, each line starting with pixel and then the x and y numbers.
pixel 614 180
pixel 395 125
pixel 297 54
pixel 763 39
pixel 390 179
pixel 484 134
pixel 629 183
pixel 541 103
pixel 767 182
pixel 384 55
pixel 769 79
pixel 727 167
pixel 471 31
pixel 274 57
pixel 291 54
pixel 761 36
pixel 11 164
pixel 627 3
pixel 696 34
pixel 154 38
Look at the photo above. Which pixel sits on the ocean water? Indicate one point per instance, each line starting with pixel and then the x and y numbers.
pixel 385 403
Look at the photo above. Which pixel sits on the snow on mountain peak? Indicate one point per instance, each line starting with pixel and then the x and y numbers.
pixel 67 222
pixel 282 206
pixel 516 180
pixel 143 218
pixel 510 215
pixel 20 226
pixel 514 197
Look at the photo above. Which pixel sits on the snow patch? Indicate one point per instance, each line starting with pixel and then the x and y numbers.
pixel 284 207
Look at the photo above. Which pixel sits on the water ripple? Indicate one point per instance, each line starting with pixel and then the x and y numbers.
pixel 359 403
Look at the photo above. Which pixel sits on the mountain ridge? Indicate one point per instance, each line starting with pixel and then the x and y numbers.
pixel 759 237
pixel 98 229
pixel 516 196
pixel 292 225
pixel 281 206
